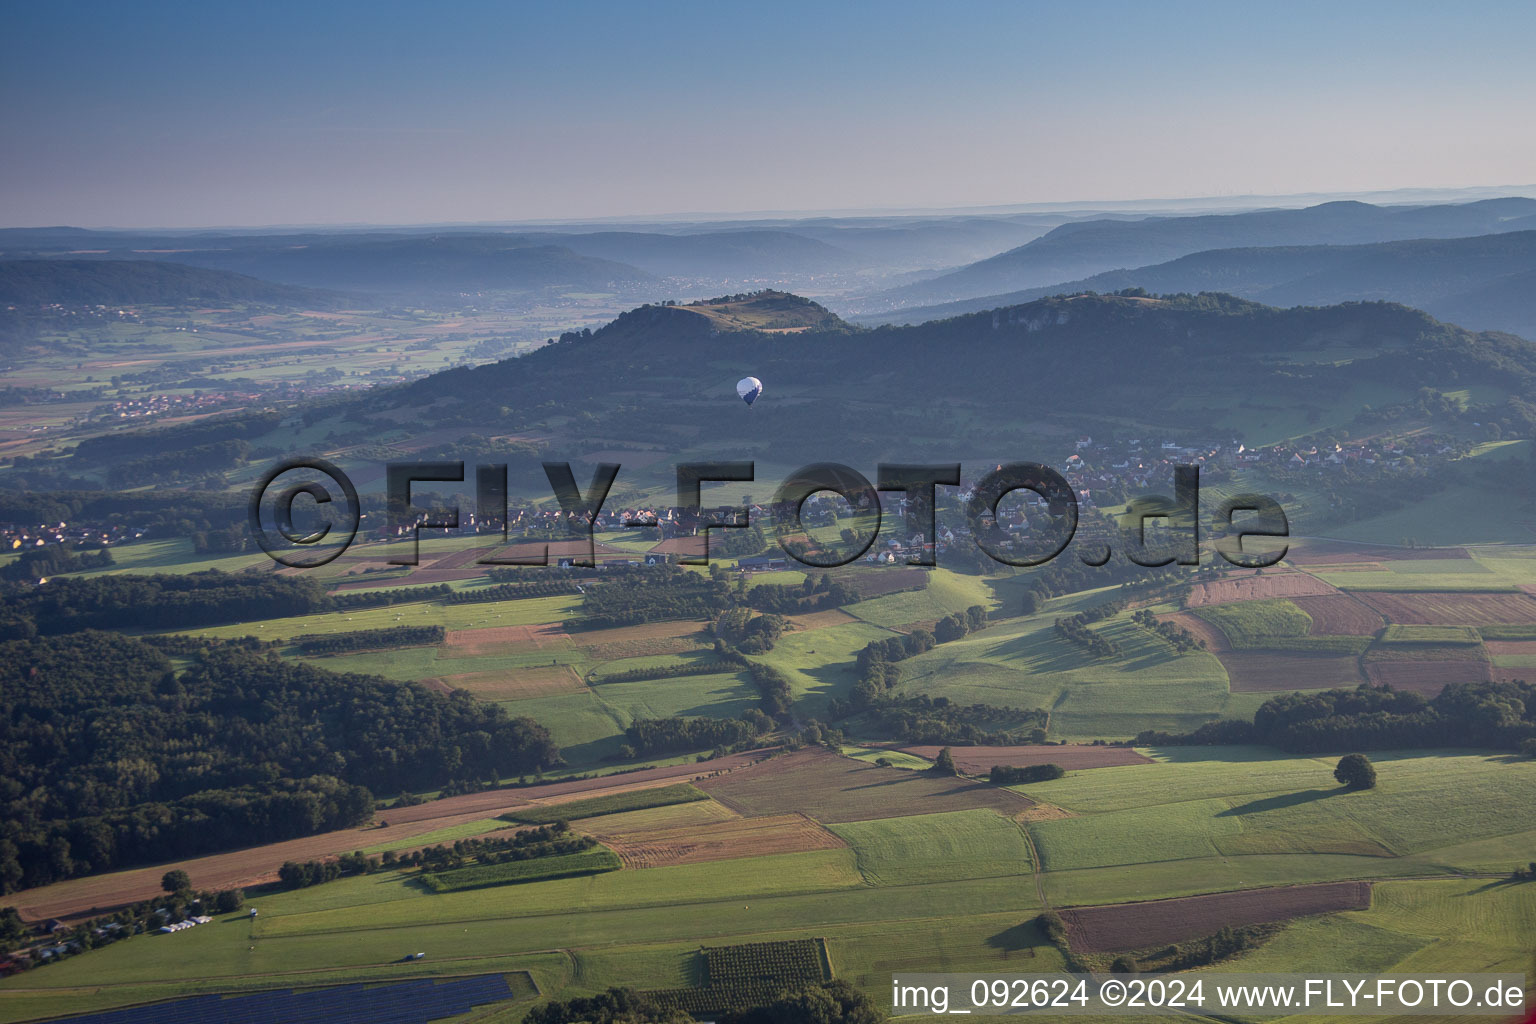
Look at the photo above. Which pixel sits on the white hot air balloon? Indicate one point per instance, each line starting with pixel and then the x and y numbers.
pixel 749 388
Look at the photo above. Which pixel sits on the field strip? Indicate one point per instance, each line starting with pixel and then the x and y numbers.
pixel 530 922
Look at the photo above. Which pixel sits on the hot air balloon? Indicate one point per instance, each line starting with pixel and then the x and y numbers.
pixel 749 388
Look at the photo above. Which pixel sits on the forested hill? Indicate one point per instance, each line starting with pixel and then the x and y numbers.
pixel 109 757
pixel 1183 362
pixel 29 283
pixel 771 312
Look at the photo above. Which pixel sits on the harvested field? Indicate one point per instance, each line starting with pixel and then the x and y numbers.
pixel 1256 587
pixel 492 640
pixel 820 620
pixel 1512 648
pixel 1427 677
pixel 1452 608
pixel 832 788
pixel 979 760
pixel 1127 926
pixel 513 684
pixel 1325 552
pixel 1340 615
pixel 726 840
pixel 877 582
pixel 1268 671
pixel 646 640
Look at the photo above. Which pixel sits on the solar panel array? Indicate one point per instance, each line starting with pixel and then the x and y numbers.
pixel 401 1002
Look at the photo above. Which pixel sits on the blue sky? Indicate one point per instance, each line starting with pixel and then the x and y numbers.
pixel 175 114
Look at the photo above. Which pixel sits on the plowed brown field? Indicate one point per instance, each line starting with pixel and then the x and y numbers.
pixel 832 788
pixel 646 640
pixel 1126 926
pixel 513 684
pixel 1452 608
pixel 1267 671
pixel 1340 615
pixel 491 640
pixel 1427 677
pixel 726 840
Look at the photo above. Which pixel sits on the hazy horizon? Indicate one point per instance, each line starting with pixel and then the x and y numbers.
pixel 182 116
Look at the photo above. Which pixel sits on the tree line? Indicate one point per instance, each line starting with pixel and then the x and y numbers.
pixel 647 737
pixel 367 639
pixel 1009 775
pixel 1498 715
pixel 938 720
pixel 163 601
pixel 1074 629
pixel 1182 639
pixel 508 592
pixel 52 559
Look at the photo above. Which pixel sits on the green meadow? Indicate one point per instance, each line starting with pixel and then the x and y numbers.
pixel 1024 663
pixel 936 847
pixel 1209 819
pixel 947 592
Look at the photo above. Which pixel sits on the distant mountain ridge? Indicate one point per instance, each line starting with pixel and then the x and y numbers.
pixel 443 264
pixel 1487 282
pixel 1083 249
pixel 26 283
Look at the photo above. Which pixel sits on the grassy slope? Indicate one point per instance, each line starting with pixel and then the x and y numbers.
pixel 1228 820
pixel 947 592
pixel 1023 663
pixel 936 847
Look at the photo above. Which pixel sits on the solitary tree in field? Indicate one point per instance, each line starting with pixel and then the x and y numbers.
pixel 1356 772
pixel 175 881
pixel 944 764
